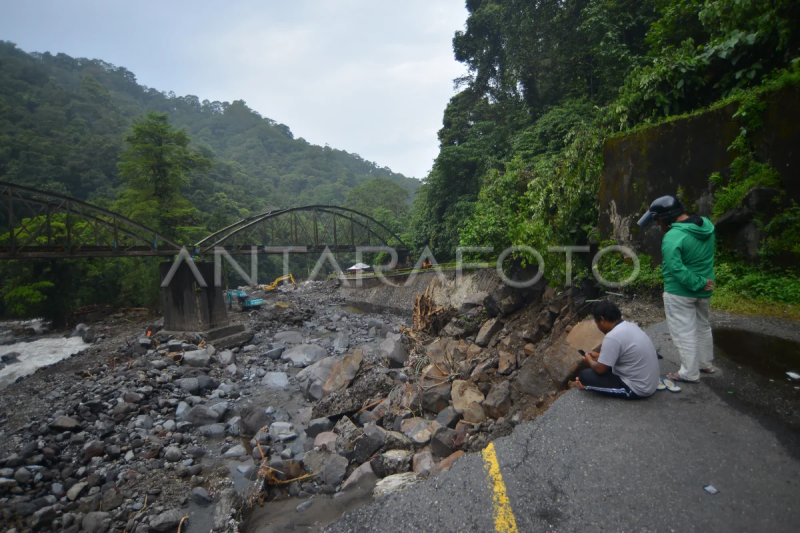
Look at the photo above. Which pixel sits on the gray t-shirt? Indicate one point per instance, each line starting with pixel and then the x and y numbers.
pixel 631 355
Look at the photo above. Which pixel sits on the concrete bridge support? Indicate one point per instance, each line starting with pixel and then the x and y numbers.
pixel 188 306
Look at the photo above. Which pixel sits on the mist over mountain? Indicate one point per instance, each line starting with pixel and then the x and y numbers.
pixel 63 121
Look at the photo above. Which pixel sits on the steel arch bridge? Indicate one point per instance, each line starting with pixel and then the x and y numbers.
pixel 37 224
pixel 308 229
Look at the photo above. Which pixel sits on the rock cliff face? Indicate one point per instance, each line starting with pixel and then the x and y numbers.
pixel 656 161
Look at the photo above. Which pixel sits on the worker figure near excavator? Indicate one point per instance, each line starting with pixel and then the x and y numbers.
pixel 688 268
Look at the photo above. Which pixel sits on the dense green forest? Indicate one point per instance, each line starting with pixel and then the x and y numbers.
pixel 65 126
pixel 63 122
pixel 549 80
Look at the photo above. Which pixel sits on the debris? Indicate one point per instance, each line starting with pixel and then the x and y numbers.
pixel 710 489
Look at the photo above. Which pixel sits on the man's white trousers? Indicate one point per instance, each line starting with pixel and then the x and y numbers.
pixel 691 333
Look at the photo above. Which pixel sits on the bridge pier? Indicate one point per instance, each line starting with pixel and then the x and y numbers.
pixel 188 306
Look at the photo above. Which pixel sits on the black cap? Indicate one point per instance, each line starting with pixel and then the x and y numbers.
pixel 666 208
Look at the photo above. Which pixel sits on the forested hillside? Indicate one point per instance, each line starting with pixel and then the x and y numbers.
pixel 62 123
pixel 86 128
pixel 549 80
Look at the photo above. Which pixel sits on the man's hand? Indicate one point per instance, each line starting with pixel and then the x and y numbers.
pixel 709 286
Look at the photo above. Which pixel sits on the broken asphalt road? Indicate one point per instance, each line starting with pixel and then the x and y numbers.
pixel 592 463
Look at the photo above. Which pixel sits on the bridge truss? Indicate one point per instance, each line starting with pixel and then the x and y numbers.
pixel 307 229
pixel 37 224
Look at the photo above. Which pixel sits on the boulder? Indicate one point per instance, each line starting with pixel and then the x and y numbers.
pixel 347 433
pixel 274 353
pixel 282 431
pixel 361 476
pixel 304 355
pixel 288 337
pixel 474 413
pixel 446 463
pixel 393 351
pixel 392 462
pixel 201 496
pixel 252 419
pixel 585 336
pixel 96 522
pixel 372 439
pixel 112 498
pixel 64 423
pixel 423 463
pixel 498 401
pixel 313 378
pixel 190 385
pixel 227 357
pixel 326 441
pixel 545 320
pixel 342 342
pixel 10 358
pixel 166 521
pixel 487 331
pixel 317 426
pixel 442 442
pixel 395 483
pixel 76 490
pixel 89 335
pixel 213 431
pixel 196 359
pixel 532 379
pixel 436 398
pixel 43 518
pixel 329 467
pixel 275 380
pixel 173 454
pixel 464 393
pixel 235 451
pixel 397 441
pixel 507 362
pixel 201 415
pixel 562 362
pixel 450 416
pixel 416 429
pixel 343 372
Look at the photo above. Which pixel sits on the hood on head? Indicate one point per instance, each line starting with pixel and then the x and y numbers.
pixel 699 232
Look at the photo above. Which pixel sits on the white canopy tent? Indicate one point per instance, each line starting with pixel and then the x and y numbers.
pixel 359 266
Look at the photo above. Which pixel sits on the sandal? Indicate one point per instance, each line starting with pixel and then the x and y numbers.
pixel 709 370
pixel 677 377
pixel 669 385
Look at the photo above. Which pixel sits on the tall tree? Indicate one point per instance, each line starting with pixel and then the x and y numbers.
pixel 155 168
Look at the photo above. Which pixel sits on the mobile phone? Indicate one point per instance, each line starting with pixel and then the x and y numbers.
pixel 582 352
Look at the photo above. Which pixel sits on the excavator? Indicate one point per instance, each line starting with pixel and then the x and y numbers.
pixel 278 282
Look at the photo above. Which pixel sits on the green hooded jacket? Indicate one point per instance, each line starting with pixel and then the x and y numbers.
pixel 688 258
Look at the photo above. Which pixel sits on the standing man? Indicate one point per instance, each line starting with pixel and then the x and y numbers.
pixel 688 270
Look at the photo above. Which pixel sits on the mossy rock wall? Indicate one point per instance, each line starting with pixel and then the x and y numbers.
pixel 656 161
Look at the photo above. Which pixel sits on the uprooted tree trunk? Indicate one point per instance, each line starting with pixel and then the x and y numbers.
pixel 429 317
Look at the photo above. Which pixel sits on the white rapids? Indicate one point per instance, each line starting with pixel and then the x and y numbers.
pixel 36 354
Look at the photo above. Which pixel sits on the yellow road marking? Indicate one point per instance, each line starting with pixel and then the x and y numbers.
pixel 504 521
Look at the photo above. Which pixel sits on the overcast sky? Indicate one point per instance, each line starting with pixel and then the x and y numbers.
pixel 367 76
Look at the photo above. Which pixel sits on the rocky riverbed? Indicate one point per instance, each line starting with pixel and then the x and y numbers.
pixel 325 408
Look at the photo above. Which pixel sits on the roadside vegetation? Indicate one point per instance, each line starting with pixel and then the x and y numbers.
pixel 549 82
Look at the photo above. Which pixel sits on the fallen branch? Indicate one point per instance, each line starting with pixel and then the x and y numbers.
pixel 370 405
pixel 181 523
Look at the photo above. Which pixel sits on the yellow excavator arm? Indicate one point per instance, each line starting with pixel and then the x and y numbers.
pixel 274 285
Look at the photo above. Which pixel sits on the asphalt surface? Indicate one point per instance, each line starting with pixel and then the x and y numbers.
pixel 592 463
